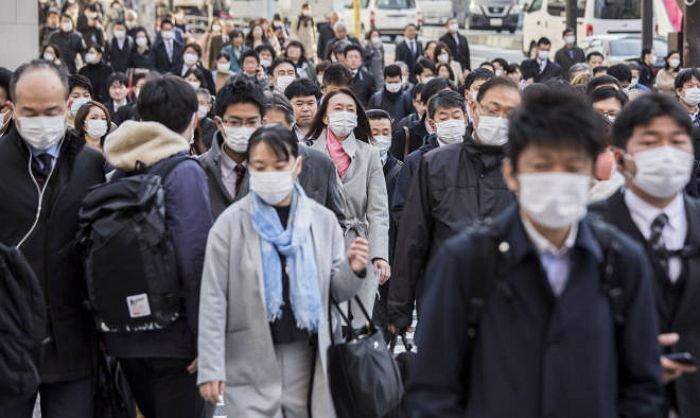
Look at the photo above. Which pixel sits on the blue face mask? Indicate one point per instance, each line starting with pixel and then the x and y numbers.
pixel 77 104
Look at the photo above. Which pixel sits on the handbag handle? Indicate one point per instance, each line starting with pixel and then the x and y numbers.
pixel 347 320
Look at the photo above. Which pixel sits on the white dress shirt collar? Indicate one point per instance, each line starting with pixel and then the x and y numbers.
pixel 543 245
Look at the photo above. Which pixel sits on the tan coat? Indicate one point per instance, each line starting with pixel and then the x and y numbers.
pixel 306 34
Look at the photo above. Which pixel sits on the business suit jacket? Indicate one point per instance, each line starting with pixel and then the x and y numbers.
pixel 159 56
pixel 120 58
pixel 404 53
pixel 208 76
pixel 235 344
pixel 459 53
pixel 531 69
pixel 686 317
pixel 364 86
pixel 565 61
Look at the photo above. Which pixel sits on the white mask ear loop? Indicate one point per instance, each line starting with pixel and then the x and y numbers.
pixel 41 191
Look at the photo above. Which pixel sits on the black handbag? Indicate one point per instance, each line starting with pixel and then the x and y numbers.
pixel 364 378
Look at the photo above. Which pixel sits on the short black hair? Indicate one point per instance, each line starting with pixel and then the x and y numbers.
pixel 378 114
pixel 79 80
pixel 392 70
pixel 445 99
pixel 608 92
pixel 281 103
pixel 544 41
pixel 602 80
pixel 337 75
pixel 451 73
pixel 417 90
pixel 554 118
pixel 236 33
pixel 302 87
pixel 567 30
pixel 422 64
pixel 96 47
pixel 478 74
pixel 239 90
pixel 38 64
pixel 119 77
pixel 685 76
pixel 600 69
pixel 194 45
pixel 268 48
pixel 432 87
pixel 169 100
pixel 197 73
pixel 279 61
pixel 282 141
pixel 496 82
pixel 594 54
pixel 250 53
pixel 352 47
pixel 502 62
pixel 621 72
pixel 166 22
pixel 643 110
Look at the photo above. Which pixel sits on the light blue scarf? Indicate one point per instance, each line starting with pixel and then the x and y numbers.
pixel 296 245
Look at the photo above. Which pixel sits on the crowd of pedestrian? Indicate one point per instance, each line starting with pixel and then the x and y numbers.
pixel 214 214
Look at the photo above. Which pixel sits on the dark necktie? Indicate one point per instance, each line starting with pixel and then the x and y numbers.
pixel 656 242
pixel 44 168
pixel 240 173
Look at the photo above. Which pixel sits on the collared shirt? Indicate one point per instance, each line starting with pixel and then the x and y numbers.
pixel 117 105
pixel 169 48
pixel 455 36
pixel 53 152
pixel 555 261
pixel 673 235
pixel 412 46
pixel 120 43
pixel 297 131
pixel 185 69
pixel 542 64
pixel 228 173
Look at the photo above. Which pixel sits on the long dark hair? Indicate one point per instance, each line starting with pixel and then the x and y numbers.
pixel 362 132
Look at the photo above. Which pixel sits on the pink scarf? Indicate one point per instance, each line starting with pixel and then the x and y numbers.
pixel 340 158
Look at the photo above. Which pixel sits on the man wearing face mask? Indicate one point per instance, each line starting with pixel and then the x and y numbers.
pixel 80 93
pixel 452 187
pixel 541 68
pixel 522 299
pixel 687 86
pixel 191 55
pixel 69 41
pixel 281 74
pixel 5 102
pixel 160 365
pixel 47 171
pixel 653 137
pixel 118 51
pixel 392 98
pixel 569 54
pixel 167 51
pixel 457 43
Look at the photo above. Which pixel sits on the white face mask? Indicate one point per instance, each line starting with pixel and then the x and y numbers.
pixel 692 96
pixel 444 58
pixel 141 41
pixel 674 63
pixel 120 34
pixel 499 73
pixel 272 186
pixel 91 58
pixel 342 123
pixel 77 104
pixel 67 27
pixel 96 128
pixel 451 131
pixel 427 78
pixel 282 82
pixel 195 84
pixel 393 87
pixel 382 143
pixel 202 111
pixel 543 55
pixel 570 39
pixel 49 56
pixel 167 35
pixel 237 138
pixel 492 130
pixel 265 63
pixel 190 58
pixel 42 132
pixel 662 172
pixel 129 24
pixel 633 82
pixel 223 67
pixel 454 27
pixel 554 200
pixel 216 28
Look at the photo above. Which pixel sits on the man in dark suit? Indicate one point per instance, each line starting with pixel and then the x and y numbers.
pixel 363 83
pixel 119 49
pixel 569 54
pixel 191 59
pixel 653 134
pixel 341 36
pixel 457 43
pixel 410 49
pixel 541 69
pixel 325 34
pixel 167 53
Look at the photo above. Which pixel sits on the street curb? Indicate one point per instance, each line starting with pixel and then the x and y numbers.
pixel 496 40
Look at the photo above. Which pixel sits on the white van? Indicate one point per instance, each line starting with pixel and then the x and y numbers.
pixel 387 16
pixel 436 12
pixel 595 17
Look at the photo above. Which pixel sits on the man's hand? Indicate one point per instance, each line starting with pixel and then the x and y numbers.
pixel 382 269
pixel 396 331
pixel 212 391
pixel 672 369
pixel 192 368
pixel 358 255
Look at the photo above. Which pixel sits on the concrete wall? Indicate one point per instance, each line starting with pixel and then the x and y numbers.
pixel 19 32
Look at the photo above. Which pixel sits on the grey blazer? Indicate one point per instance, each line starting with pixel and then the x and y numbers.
pixel 318 178
pixel 235 345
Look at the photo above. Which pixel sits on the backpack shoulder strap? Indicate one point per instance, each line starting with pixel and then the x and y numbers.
pixel 168 166
pixel 606 236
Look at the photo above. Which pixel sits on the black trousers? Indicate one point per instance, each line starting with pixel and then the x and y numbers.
pixel 163 388
pixel 72 399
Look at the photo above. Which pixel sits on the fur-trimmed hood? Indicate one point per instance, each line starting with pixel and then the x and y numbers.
pixel 147 142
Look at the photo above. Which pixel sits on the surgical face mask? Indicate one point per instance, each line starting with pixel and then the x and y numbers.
pixel 91 58
pixel 633 82
pixel 167 35
pixel 223 67
pixel 444 58
pixel 282 82
pixel 692 96
pixel 120 34
pixel 77 104
pixel 265 63
pixel 306 12
pixel 342 123
pixel 376 40
pixel 129 24
pixel 49 56
pixel 96 128
pixel 202 111
pixel 237 137
pixel 216 28
pixel 195 84
pixel 427 78
pixel 499 73
pixel 611 118
pixel 190 58
pixel 492 130
pixel 393 87
pixel 451 131
pixel 554 200
pixel 662 172
pixel 674 63
pixel 454 27
pixel 543 55
pixel 42 132
pixel 272 186
pixel 66 27
pixel 570 39
pixel 382 143
pixel 141 41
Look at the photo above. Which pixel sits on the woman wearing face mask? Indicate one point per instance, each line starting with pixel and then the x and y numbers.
pixel 666 76
pixel 429 51
pixel 93 123
pixel 267 355
pixel 341 130
pixel 141 51
pixel 195 78
pixel 98 72
pixel 444 71
pixel 213 42
pixel 223 70
pixel 296 53
pixel 373 54
pixel 443 55
pixel 53 54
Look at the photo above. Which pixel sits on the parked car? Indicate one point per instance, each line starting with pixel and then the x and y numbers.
pixel 496 15
pixel 621 48
pixel 388 16
pixel 436 12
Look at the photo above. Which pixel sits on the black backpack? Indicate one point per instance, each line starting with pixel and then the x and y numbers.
pixel 130 265
pixel 22 326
